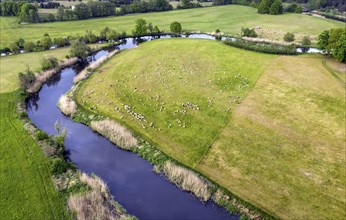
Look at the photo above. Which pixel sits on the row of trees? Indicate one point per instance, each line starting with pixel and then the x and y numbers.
pixel 334 42
pixel 102 9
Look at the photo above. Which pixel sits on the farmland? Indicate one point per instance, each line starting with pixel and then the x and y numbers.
pixel 278 144
pixel 27 191
pixel 229 19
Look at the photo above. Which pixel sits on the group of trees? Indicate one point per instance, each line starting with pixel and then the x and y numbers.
pixel 293 8
pixel 142 28
pixel 49 5
pixel 334 42
pixel 185 4
pixel 273 7
pixel 25 11
pixel 145 6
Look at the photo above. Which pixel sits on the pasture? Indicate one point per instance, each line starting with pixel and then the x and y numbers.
pixel 27 191
pixel 271 129
pixel 229 19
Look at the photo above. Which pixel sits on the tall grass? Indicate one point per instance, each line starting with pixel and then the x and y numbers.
pixel 67 105
pixel 87 71
pixel 96 204
pixel 187 180
pixel 115 133
pixel 44 76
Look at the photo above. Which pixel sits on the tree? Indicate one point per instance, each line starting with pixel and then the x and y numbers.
pixel 264 6
pixel 175 27
pixel 306 41
pixel 323 40
pixel 14 48
pixel 29 46
pixel 90 37
pixel 276 8
pixel 46 41
pixel 340 49
pixel 141 27
pixel 28 13
pixel 26 79
pixel 60 16
pixel 49 63
pixel 20 42
pixel 289 37
pixel 334 36
pixel 112 36
pixel 156 29
pixel 150 28
pixel 82 11
pixel 104 32
pixel 50 18
pixel 79 49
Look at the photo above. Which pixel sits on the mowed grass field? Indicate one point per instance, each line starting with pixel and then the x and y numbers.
pixel 279 145
pixel 27 191
pixel 229 19
pixel 184 88
pixel 10 66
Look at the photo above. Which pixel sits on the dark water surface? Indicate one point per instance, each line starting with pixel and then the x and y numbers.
pixel 131 179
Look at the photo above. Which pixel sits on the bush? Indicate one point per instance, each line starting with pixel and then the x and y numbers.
pixel 23 115
pixel 264 48
pixel 306 41
pixel 49 63
pixel 289 37
pixel 59 165
pixel 247 32
pixel 175 27
pixel 26 79
pixel 41 135
pixel 29 46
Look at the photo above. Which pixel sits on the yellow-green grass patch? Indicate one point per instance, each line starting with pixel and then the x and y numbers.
pixel 284 148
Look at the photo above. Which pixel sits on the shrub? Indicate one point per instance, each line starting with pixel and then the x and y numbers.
pixel 29 46
pixel 175 27
pixel 67 105
pixel 49 63
pixel 188 180
pixel 41 135
pixel 14 48
pixel 289 37
pixel 264 48
pixel 59 165
pixel 23 115
pixel 26 79
pixel 247 32
pixel 115 133
pixel 306 41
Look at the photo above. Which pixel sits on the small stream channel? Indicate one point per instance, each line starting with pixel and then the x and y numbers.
pixel 131 180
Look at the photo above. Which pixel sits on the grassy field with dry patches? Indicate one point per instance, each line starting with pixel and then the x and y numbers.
pixel 284 148
pixel 281 147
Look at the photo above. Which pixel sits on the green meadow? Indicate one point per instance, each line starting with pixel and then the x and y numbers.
pixel 229 19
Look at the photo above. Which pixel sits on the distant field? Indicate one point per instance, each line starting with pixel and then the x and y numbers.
pixel 27 191
pixel 228 19
pixel 10 66
pixel 282 148
pixel 174 73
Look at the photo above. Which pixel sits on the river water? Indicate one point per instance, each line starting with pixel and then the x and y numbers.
pixel 131 180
